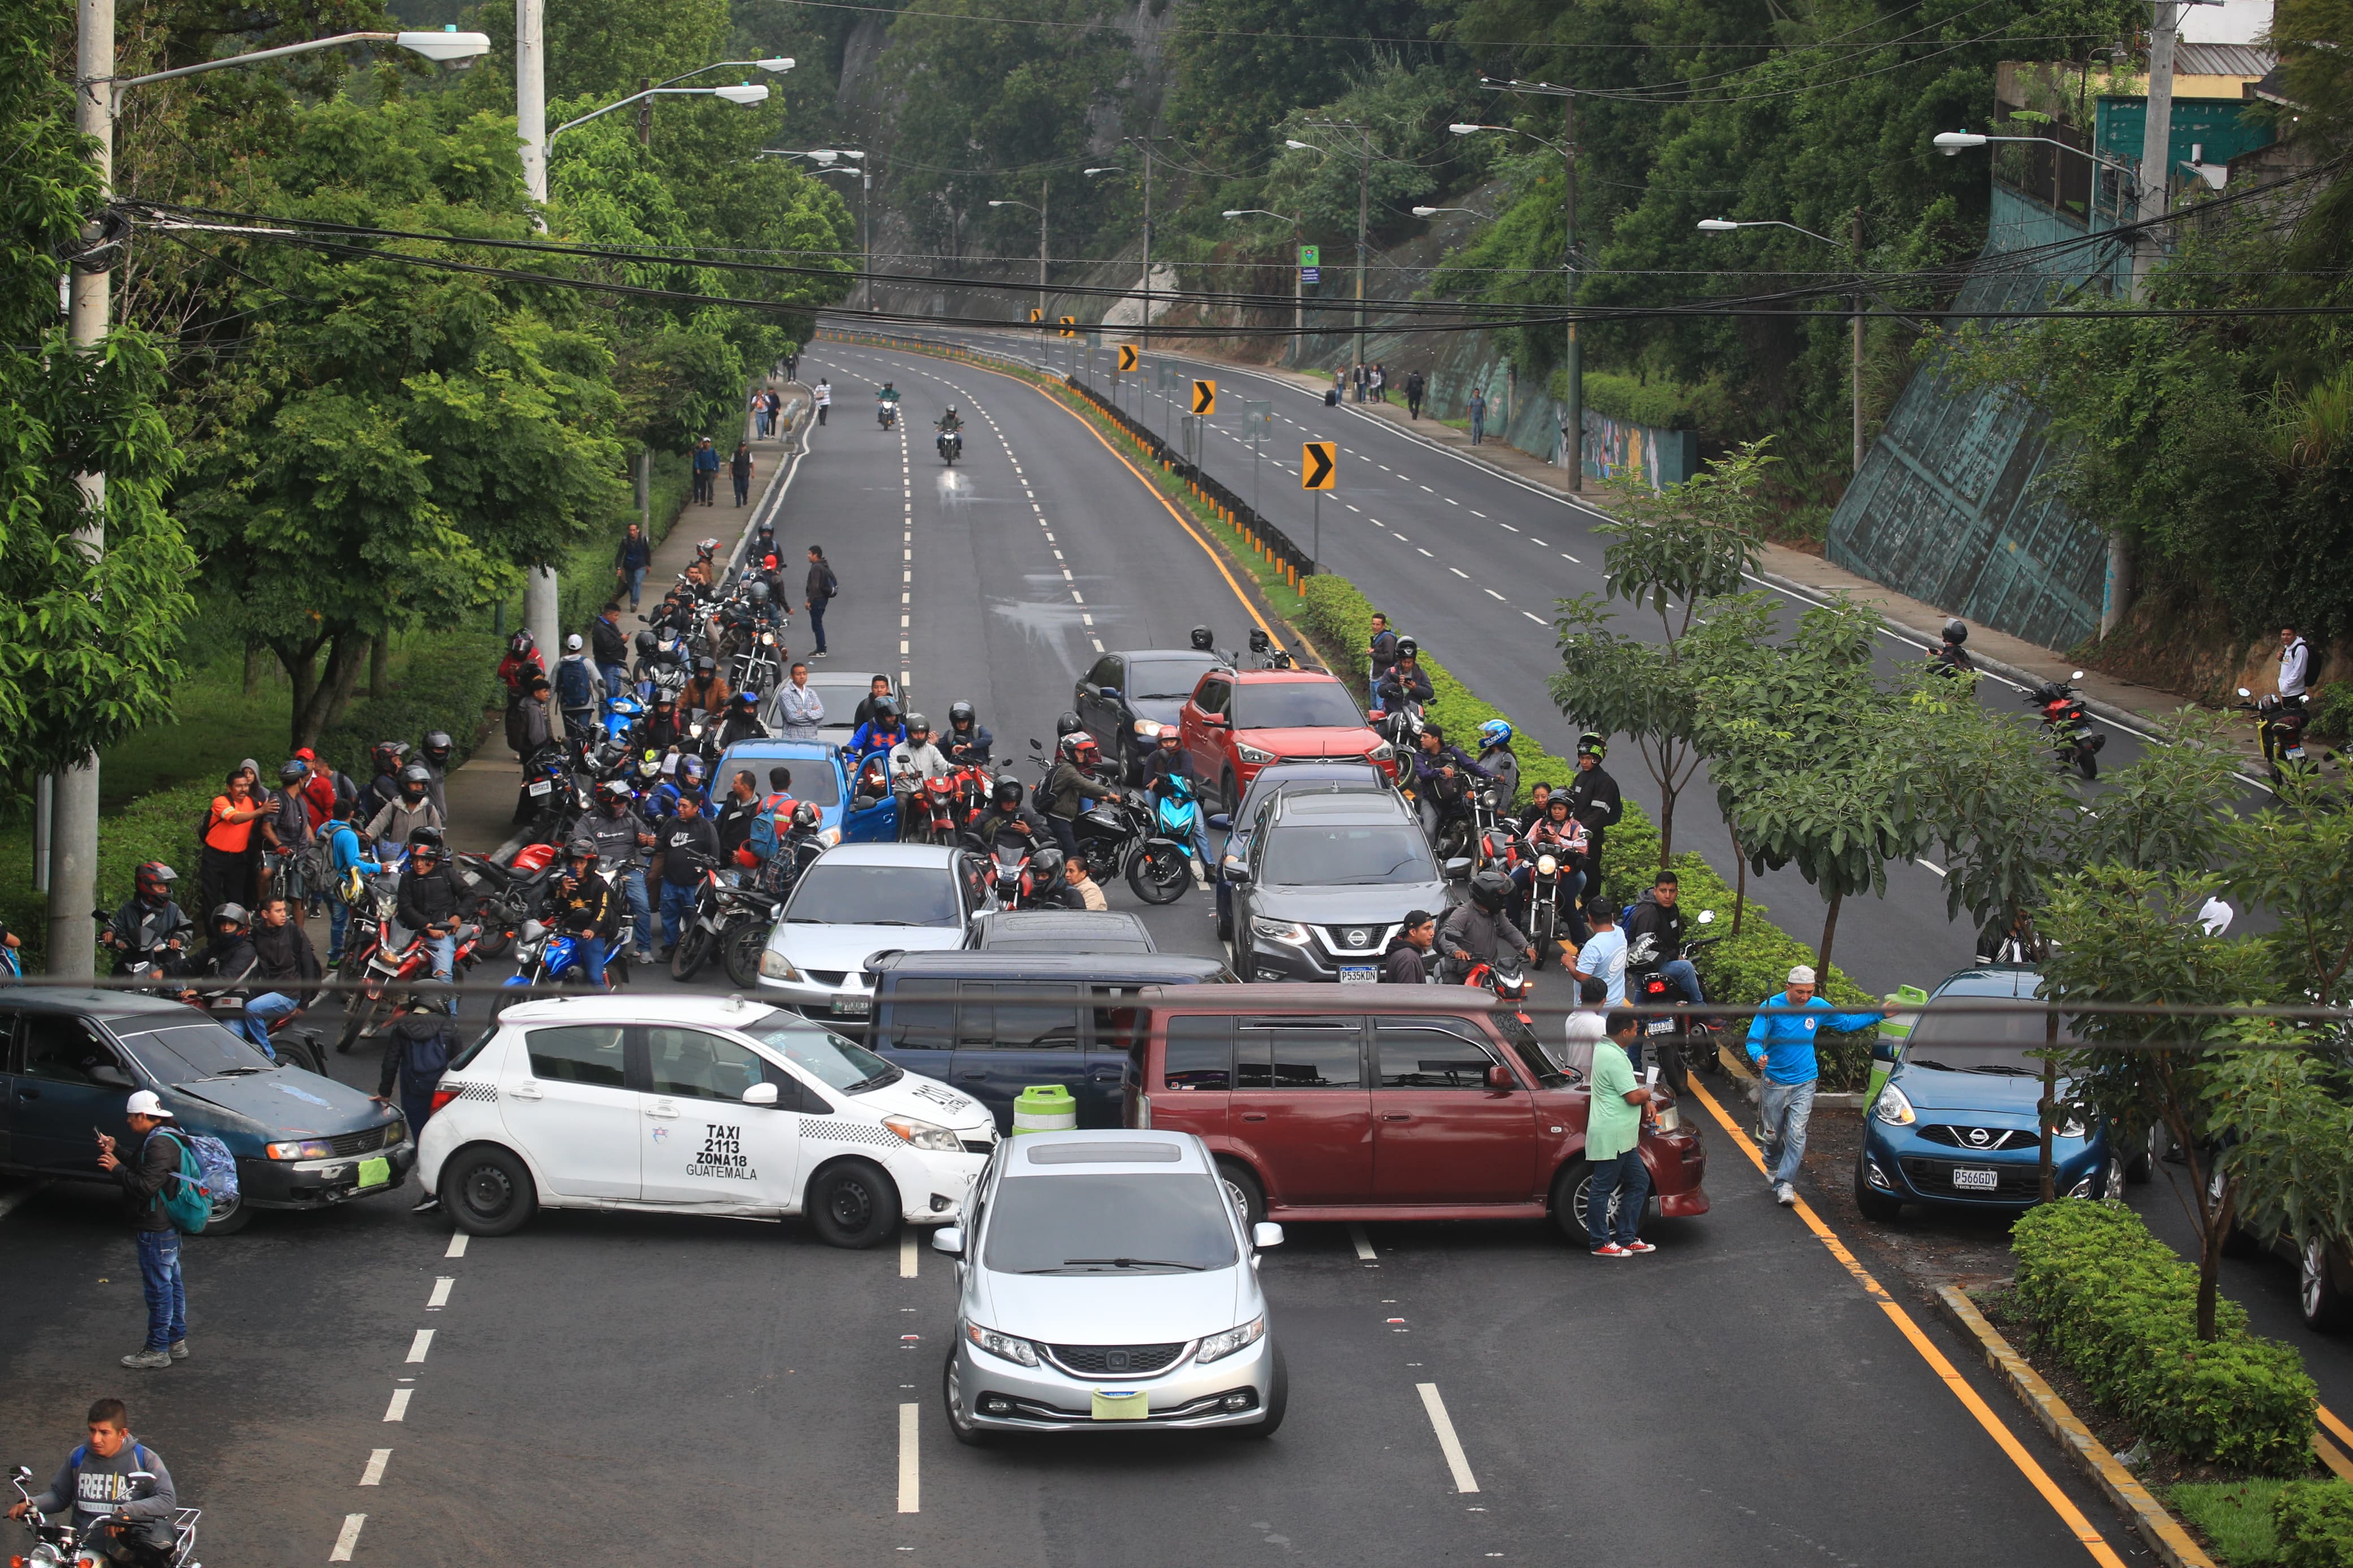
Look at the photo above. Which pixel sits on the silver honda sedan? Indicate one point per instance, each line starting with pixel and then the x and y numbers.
pixel 1106 1282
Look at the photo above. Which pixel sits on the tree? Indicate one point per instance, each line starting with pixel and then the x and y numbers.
pixel 1668 550
pixel 87 638
pixel 2004 818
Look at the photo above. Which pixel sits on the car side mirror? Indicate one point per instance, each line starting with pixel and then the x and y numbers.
pixel 1265 1234
pixel 1218 819
pixel 1238 877
pixel 1457 869
pixel 948 1238
pixel 1499 1077
pixel 1216 721
pixel 1089 689
pixel 760 1094
pixel 1108 693
pixel 111 1076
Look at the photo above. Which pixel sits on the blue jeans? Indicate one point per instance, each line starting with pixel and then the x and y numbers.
pixel 637 578
pixel 641 910
pixel 1787 1108
pixel 678 905
pixel 1629 1180
pixel 616 681
pixel 1684 978
pixel 339 915
pixel 260 1013
pixel 444 949
pixel 591 950
pixel 817 624
pixel 167 1288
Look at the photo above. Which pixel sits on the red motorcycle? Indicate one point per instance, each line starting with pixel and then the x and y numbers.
pixel 387 972
pixel 2072 739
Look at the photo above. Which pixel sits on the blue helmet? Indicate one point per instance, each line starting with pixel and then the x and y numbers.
pixel 690 767
pixel 1494 732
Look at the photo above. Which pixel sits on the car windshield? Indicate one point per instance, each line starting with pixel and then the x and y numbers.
pixel 1109 1224
pixel 1162 680
pixel 1525 1045
pixel 873 896
pixel 813 777
pixel 1300 855
pixel 2001 1040
pixel 182 1052
pixel 1296 705
pixel 826 1056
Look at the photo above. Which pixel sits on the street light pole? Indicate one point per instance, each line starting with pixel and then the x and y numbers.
pixel 1854 373
pixel 1572 350
pixel 543 603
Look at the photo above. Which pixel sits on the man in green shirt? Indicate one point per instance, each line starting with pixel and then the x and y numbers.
pixel 1613 1133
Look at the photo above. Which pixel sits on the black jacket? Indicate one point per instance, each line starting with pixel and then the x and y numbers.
pixel 427 898
pixel 993 825
pixel 1654 933
pixel 1397 684
pixel 1382 652
pixel 821 584
pixel 588 906
pixel 681 838
pixel 286 958
pixel 734 822
pixel 610 642
pixel 142 1176
pixel 1594 800
pixel 407 1031
pixel 1402 963
pixel 741 726
pixel 1480 934
pixel 226 958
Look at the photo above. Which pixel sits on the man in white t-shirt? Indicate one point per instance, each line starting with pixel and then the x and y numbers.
pixel 1603 956
pixel 1580 1030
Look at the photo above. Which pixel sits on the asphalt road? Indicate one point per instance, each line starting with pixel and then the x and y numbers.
pixel 626 1388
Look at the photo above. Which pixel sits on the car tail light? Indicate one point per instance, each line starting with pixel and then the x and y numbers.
pixel 441 1098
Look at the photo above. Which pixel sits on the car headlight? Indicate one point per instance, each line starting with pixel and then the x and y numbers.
pixel 774 965
pixel 1279 931
pixel 1216 1347
pixel 1005 1347
pixel 829 837
pixel 2082 1189
pixel 2072 1128
pixel 309 1149
pixel 1382 753
pixel 396 1131
pixel 1892 1108
pixel 1250 753
pixel 924 1134
pixel 1149 728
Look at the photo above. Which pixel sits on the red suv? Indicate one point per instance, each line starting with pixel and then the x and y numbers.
pixel 1238 721
pixel 1416 1103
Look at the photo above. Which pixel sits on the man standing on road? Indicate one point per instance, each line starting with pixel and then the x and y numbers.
pixel 824 398
pixel 1477 416
pixel 684 834
pixel 739 469
pixel 1602 960
pixel 1381 650
pixel 611 646
pixel 158 1161
pixel 1594 800
pixel 1781 1048
pixel 1405 962
pixel 1583 1029
pixel 416 1052
pixel 1414 387
pixel 818 589
pixel 1613 1137
pixel 706 472
pixel 800 710
pixel 630 561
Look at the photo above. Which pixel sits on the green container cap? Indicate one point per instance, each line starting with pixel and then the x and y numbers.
pixel 1045 1099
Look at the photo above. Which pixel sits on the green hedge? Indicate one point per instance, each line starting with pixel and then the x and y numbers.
pixel 1660 405
pixel 1744 969
pixel 2118 1308
pixel 2314 1521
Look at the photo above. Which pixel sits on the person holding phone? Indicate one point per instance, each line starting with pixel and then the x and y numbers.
pixel 1613 1138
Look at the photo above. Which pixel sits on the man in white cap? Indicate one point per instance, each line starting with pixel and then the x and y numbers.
pixel 1781 1048
pixel 143 1181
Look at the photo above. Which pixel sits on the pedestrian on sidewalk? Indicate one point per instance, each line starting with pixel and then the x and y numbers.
pixel 579 685
pixel 739 469
pixel 1613 1139
pixel 1414 387
pixel 818 590
pixel 1339 388
pixel 1356 377
pixel 1380 383
pixel 142 1180
pixel 1477 416
pixel 706 472
pixel 800 710
pixel 1781 1048
pixel 611 646
pixel 630 561
pixel 824 398
pixel 532 730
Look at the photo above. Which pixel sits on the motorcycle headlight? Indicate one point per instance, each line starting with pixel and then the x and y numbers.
pixel 924 1134
pixel 774 965
pixel 1547 865
pixel 1383 752
pixel 1217 1347
pixel 1892 1108
pixel 1250 753
pixel 769 638
pixel 1004 1347
pixel 1291 932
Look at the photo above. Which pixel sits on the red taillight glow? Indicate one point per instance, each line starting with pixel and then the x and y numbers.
pixel 441 1096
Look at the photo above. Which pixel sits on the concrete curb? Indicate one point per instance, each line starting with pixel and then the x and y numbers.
pixel 2166 1538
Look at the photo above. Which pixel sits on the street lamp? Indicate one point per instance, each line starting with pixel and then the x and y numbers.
pixel 1040 210
pixel 449 47
pixel 1298 275
pixel 1363 203
pixel 826 160
pixel 1953 143
pixel 1433 212
pixel 1572 354
pixel 746 94
pixel 1854 249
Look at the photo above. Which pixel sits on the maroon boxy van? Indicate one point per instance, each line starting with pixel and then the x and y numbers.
pixel 1381 1102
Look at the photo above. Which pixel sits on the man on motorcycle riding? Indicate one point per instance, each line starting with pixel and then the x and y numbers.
pixel 383 785
pixel 684 783
pixel 1070 782
pixel 115 1518
pixel 1654 941
pixel 412 810
pixel 951 423
pixel 1047 883
pixel 966 741
pixel 288 970
pixel 622 836
pixel 704 570
pixel 582 906
pixel 879 733
pixel 707 692
pixel 797 846
pixel 1008 818
pixel 149 920
pixel 1563 837
pixel 1503 763
pixel 662 729
pixel 887 404
pixel 908 764
pixel 1439 774
pixel 1948 657
pixel 228 957
pixel 742 721
pixel 428 900
pixel 1478 930
pixel 1166 765
pixel 1403 679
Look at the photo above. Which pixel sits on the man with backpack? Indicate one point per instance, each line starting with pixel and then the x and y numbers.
pixel 121 1496
pixel 142 1180
pixel 416 1051
pixel 579 685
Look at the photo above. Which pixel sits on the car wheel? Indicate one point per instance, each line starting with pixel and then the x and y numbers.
pixel 1243 1189
pixel 488 1190
pixel 1570 1191
pixel 1226 919
pixel 2112 1189
pixel 2325 1306
pixel 2143 1164
pixel 1230 799
pixel 970 1435
pixel 854 1204
pixel 1278 1400
pixel 228 1218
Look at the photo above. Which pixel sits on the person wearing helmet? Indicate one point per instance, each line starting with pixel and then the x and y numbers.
pixel 741 721
pixel 1163 765
pixel 228 962
pixel 879 733
pixel 967 742
pixel 798 844
pixel 436 752
pixel 581 905
pixel 685 782
pixel 1479 930
pixel 516 671
pixel 622 838
pixel 1070 786
pixel 1594 800
pixel 285 829
pixel 1047 883
pixel 706 695
pixel 149 927
pixel 411 810
pixel 950 423
pixel 1495 755
pixel 428 898
pixel 1948 657
pixel 579 686
pixel 383 787
pixel 1008 818
pixel 1441 775
pixel 1405 681
pixel 911 761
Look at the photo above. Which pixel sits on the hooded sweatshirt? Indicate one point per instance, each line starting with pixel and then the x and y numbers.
pixel 1401 963
pixel 99 1486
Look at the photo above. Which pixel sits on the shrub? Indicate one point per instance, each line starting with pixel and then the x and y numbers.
pixel 2118 1308
pixel 2313 1523
pixel 158 826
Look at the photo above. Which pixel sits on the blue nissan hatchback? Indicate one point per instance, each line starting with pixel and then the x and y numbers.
pixel 1956 1123
pixel 69 1059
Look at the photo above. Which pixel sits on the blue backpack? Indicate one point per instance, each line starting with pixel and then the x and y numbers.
pixel 763 841
pixel 575 686
pixel 205 1179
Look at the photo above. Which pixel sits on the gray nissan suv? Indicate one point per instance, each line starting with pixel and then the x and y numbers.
pixel 1328 880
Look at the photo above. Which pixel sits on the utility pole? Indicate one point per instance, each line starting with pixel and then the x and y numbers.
pixel 1365 156
pixel 73 811
pixel 1298 305
pixel 1572 351
pixel 1146 340
pixel 1042 185
pixel 1856 375
pixel 646 112
pixel 2156 186
pixel 542 609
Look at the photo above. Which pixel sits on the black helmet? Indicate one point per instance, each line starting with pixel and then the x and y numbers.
pixel 433 997
pixel 959 714
pixel 759 591
pixel 1007 793
pixel 613 791
pixel 387 754
pixel 580 849
pixel 806 814
pixel 1957 632
pixel 231 914
pixel 1490 889
pixel 1066 723
pixel 416 774
pixel 917 722
pixel 1204 639
pixel 1046 865
pixel 706 664
pixel 438 745
pixel 647 642
pixel 1075 745
pixel 885 710
pixel 519 644
pixel 426 837
pixel 1592 744
pixel 1408 648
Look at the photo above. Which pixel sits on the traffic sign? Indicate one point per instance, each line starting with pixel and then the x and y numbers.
pixel 1205 397
pixel 1319 466
pixel 1310 255
pixel 1036 314
pixel 1311 275
pixel 1127 356
pixel 1069 326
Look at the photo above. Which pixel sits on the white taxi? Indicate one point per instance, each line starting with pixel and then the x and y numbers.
pixel 706 1105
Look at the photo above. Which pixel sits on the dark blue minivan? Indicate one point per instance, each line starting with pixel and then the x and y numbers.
pixel 994 1024
pixel 69 1059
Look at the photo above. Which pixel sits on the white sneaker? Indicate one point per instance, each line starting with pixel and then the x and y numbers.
pixel 1786 1195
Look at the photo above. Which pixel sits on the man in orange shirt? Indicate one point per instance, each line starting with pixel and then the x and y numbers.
pixel 226 873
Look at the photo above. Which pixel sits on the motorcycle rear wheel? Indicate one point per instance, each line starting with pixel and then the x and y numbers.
pixel 1160 876
pixel 740 950
pixel 359 1018
pixel 2086 763
pixel 693 947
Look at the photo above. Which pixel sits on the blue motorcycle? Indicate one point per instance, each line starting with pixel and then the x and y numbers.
pixel 546 957
pixel 620 719
pixel 1163 863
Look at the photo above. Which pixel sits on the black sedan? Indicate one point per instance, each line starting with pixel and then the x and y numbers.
pixel 1126 698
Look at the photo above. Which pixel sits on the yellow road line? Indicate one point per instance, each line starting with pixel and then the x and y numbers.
pixel 2343 1433
pixel 2331 1457
pixel 2068 1514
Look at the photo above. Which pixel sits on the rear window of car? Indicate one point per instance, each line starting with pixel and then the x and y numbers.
pixel 1162 679
pixel 579 1053
pixel 813 777
pixel 1296 705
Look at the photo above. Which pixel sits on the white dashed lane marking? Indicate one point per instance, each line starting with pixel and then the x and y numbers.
pixel 1447 1443
pixel 398 1409
pixel 419 1345
pixel 348 1538
pixel 374 1475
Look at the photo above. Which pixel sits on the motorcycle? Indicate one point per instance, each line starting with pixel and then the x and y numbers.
pixel 544 957
pixel 699 936
pixel 62 1546
pixel 494 887
pixel 1162 862
pixel 1401 727
pixel 2073 740
pixel 1501 976
pixel 1008 880
pixel 886 415
pixel 1679 1040
pixel 620 721
pixel 551 797
pixel 1550 908
pixel 1457 805
pixel 152 963
pixel 931 815
pixel 2279 724
pixel 755 665
pixel 951 444
pixel 1269 655
pixel 384 972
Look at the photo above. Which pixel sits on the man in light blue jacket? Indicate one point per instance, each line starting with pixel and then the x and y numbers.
pixel 799 710
pixel 1781 1048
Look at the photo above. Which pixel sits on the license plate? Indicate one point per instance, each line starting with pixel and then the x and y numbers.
pixel 1660 1027
pixel 1977 1181
pixel 853 1007
pixel 542 786
pixel 1122 1404
pixel 374 1172
pixel 1359 974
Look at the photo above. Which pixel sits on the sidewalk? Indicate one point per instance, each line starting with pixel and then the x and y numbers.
pixel 481 791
